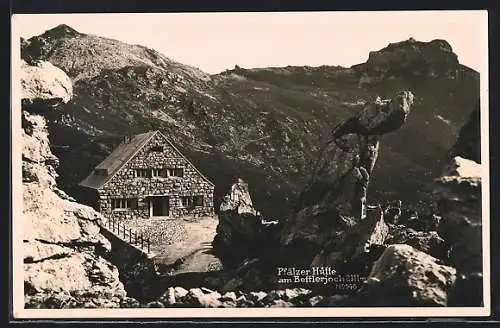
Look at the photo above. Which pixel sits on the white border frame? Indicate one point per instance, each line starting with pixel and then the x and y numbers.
pixel 166 313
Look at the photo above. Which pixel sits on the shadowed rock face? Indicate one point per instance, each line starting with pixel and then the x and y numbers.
pixel 458 194
pixel 62 247
pixel 468 144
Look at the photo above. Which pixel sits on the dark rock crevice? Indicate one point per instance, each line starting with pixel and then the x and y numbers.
pixel 30 260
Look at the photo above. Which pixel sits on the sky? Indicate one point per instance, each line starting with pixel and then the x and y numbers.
pixel 215 42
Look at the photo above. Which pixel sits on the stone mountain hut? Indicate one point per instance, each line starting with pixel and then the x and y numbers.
pixel 147 177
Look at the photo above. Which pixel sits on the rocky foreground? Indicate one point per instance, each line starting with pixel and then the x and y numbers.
pixel 406 258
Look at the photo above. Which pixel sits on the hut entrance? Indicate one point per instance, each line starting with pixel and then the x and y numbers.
pixel 159 206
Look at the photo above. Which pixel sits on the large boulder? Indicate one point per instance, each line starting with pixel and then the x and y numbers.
pixel 90 280
pixel 458 195
pixel 238 200
pixel 44 85
pixel 238 227
pixel 404 276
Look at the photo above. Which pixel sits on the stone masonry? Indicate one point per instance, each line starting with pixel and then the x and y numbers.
pixel 139 191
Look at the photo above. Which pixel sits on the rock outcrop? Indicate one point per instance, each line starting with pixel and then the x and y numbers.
pixel 238 225
pixel 64 265
pixel 331 220
pixel 458 194
pixel 44 84
pixel 404 276
pixel 459 197
pixel 238 200
pixel 241 232
pixel 411 58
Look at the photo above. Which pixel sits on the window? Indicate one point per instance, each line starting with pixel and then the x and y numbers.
pixel 158 149
pixel 158 173
pixel 175 172
pixel 192 201
pixel 154 173
pixel 123 203
pixel 185 200
pixel 142 173
pixel 198 200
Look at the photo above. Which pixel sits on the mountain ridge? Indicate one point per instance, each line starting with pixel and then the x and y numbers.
pixel 265 125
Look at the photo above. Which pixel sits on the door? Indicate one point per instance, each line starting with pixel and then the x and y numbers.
pixel 159 206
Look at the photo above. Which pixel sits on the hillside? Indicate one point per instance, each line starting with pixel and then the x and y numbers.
pixel 265 125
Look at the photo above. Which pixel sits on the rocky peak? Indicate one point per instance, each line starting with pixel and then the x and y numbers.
pixel 61 31
pixel 412 58
pixel 42 46
pixel 84 56
pixel 443 45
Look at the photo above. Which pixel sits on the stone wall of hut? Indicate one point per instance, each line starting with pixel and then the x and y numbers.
pixel 138 190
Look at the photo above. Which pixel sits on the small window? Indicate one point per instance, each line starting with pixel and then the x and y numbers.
pixel 158 173
pixel 192 201
pixel 198 200
pixel 157 149
pixel 175 172
pixel 186 201
pixel 142 173
pixel 124 203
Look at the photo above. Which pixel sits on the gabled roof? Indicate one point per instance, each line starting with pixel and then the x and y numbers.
pixel 118 157
pixel 187 160
pixel 121 156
